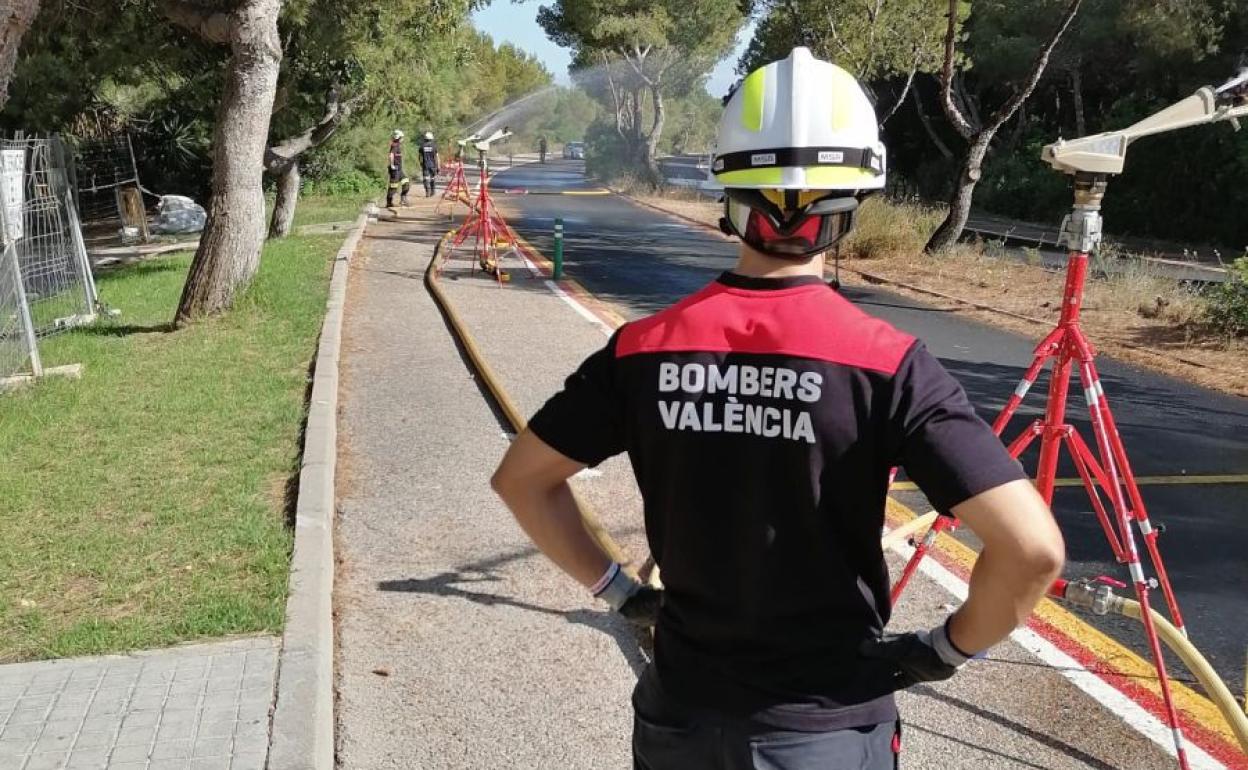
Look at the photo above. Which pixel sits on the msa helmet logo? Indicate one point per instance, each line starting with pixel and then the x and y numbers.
pixel 718 165
pixel 831 156
pixel 763 159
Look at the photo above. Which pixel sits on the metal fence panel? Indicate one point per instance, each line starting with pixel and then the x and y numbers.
pixel 17 338
pixel 50 253
pixel 46 284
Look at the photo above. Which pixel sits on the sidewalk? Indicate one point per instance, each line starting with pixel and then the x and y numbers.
pixel 460 647
pixel 192 707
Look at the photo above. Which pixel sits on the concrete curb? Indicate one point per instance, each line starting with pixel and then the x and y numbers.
pixel 302 730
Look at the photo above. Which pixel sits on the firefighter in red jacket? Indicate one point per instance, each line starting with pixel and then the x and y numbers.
pixel 762 416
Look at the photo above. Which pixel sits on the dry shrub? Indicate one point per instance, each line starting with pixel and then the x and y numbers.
pixel 888 229
pixel 1131 286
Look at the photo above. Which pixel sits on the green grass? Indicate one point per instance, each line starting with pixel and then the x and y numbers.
pixel 318 209
pixel 145 503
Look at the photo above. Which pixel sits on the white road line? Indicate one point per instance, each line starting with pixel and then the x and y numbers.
pixel 580 309
pixel 1135 715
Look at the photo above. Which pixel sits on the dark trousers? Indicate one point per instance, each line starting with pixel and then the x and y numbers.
pixel 669 736
pixel 399 183
pixel 429 176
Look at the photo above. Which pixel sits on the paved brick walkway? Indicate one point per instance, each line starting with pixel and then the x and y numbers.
pixel 193 707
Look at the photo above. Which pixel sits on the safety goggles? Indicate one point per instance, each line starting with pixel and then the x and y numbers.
pixel 794 223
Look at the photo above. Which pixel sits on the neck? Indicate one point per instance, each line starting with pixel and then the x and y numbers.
pixel 755 264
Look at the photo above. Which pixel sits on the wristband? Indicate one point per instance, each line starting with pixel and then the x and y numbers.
pixel 597 587
pixel 615 586
pixel 939 640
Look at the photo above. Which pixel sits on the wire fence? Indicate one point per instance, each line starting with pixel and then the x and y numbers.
pixel 46 284
pixel 106 178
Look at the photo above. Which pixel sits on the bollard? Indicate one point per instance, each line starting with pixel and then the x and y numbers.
pixel 557 274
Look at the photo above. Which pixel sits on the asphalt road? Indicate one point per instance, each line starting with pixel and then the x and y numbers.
pixel 1025 240
pixel 643 261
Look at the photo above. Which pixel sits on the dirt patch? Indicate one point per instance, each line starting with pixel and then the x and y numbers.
pixel 1135 318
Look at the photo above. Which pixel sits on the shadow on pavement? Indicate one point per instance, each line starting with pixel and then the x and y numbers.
pixel 634 645
pixel 1009 724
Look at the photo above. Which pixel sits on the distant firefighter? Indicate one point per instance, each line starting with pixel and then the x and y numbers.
pixel 428 163
pixel 394 164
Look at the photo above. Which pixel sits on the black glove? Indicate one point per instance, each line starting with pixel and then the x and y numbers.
pixel 915 655
pixel 642 608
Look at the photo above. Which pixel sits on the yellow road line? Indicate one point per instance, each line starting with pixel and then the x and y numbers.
pixel 1155 481
pixel 1118 658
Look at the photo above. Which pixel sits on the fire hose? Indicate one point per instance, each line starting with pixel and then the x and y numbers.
pixel 1099 599
pixel 508 407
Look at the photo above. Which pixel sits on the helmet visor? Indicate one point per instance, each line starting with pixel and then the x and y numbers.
pixel 797 236
pixel 794 223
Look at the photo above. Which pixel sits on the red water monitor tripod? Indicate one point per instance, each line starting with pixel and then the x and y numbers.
pixel 457 190
pixel 492 238
pixel 1105 472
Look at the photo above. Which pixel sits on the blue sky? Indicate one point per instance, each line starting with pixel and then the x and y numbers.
pixel 513 23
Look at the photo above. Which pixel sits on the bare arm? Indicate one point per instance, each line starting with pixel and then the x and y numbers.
pixel 1022 553
pixel 532 482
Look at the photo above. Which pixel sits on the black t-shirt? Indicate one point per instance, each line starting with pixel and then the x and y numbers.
pixel 396 153
pixel 428 156
pixel 762 417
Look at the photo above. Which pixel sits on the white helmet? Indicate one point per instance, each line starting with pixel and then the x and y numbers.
pixel 799 124
pixel 798 147
pixel 429 135
pixel 396 134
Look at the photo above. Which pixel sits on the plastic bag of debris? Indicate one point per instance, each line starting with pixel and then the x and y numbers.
pixel 179 214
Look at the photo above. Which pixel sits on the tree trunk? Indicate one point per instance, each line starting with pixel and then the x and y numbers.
pixel 281 162
pixel 229 249
pixel 637 138
pixel 1076 94
pixel 16 20
pixel 927 126
pixel 651 146
pixel 1016 134
pixel 286 199
pixel 960 201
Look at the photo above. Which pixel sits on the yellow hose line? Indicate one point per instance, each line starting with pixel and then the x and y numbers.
pixel 495 386
pixel 1217 690
pixel 904 531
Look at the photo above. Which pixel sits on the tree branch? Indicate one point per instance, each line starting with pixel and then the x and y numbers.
pixel 836 36
pixel 905 89
pixel 639 68
pixel 213 26
pixel 615 94
pixel 959 121
pixel 966 102
pixel 927 125
pixel 288 151
pixel 1037 69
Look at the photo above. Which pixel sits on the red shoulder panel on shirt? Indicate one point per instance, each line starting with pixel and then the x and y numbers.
pixel 808 321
